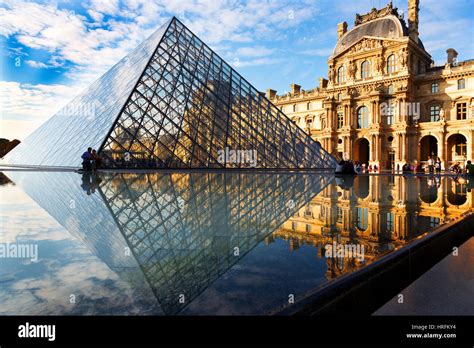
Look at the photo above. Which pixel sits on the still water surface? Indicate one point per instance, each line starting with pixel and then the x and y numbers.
pixel 201 243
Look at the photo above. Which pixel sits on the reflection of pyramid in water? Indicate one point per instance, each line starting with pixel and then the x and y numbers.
pixel 173 103
pixel 182 229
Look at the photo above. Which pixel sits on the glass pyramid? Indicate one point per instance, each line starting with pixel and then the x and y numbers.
pixel 173 103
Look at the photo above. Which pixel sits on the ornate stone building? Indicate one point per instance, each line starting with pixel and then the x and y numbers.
pixel 385 102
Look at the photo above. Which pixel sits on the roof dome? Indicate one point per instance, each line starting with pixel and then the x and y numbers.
pixel 389 27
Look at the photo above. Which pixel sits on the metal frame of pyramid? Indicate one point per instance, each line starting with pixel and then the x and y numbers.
pixel 181 106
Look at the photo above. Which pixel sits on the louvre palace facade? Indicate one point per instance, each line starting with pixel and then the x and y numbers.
pixel 385 102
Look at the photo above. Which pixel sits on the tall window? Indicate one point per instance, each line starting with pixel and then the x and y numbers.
pixel 365 69
pixel 461 111
pixel 434 113
pixel 391 64
pixel 435 88
pixel 294 107
pixel 340 119
pixel 461 84
pixel 390 89
pixel 390 113
pixel 339 215
pixel 390 222
pixel 341 74
pixel 362 218
pixel 363 117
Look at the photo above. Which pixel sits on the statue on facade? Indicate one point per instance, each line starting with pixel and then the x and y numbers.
pixel 352 69
pixel 441 114
pixel 379 64
pixel 331 73
pixel 404 58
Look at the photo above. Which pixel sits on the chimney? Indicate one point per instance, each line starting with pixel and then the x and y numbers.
pixel 452 56
pixel 341 29
pixel 323 83
pixel 271 93
pixel 413 10
pixel 295 89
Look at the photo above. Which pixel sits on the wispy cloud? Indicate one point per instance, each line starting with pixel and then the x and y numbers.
pixel 36 64
pixel 319 52
pixel 255 51
pixel 256 62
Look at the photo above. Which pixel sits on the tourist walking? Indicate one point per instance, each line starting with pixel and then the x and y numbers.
pixel 430 165
pixel 469 168
pixel 86 159
pixel 438 165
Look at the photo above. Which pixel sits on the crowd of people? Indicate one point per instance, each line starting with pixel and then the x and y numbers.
pixel 91 160
pixel 349 167
pixel 433 166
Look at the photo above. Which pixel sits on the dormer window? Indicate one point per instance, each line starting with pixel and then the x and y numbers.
pixel 341 74
pixel 391 64
pixel 365 69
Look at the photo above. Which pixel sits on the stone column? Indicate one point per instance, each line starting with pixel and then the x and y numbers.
pixel 377 118
pixel 441 149
pixel 371 148
pixel 379 151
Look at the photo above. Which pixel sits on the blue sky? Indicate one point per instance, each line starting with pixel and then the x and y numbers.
pixel 51 50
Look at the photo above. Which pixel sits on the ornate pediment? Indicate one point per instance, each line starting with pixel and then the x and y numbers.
pixel 374 13
pixel 368 44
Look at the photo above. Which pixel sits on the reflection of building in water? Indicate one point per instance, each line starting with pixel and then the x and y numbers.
pixel 380 212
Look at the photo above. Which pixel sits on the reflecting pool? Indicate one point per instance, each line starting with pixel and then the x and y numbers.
pixel 201 243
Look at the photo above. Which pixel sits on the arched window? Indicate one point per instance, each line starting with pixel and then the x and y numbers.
pixel 341 74
pixel 365 69
pixel 391 64
pixel 362 218
pixel 461 84
pixel 363 117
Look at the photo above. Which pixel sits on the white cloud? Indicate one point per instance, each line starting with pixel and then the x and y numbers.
pixel 319 52
pixel 23 107
pixel 36 64
pixel 255 51
pixel 256 62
